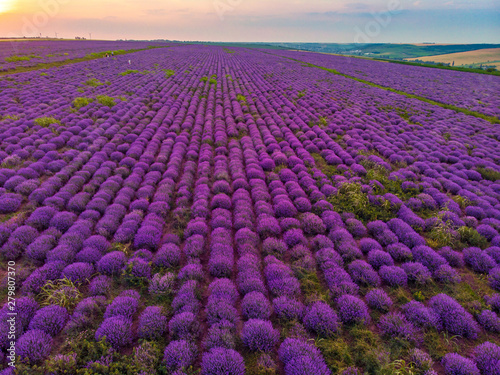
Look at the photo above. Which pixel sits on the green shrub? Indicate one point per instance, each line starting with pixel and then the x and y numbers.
pixel 93 82
pixel 350 198
pixel 106 100
pixel 16 58
pixel 45 122
pixel 62 292
pixel 472 237
pixel 128 71
pixel 443 234
pixel 10 117
pixel 81 102
pixel 489 174
pixel 168 73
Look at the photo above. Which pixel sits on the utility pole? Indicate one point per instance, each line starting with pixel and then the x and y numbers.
pixel 56 35
pixel 90 36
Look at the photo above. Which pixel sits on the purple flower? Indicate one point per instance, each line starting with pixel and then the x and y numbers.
pixel 489 321
pixel 219 310
pixel 184 326
pixel 138 267
pixel 379 300
pixel 294 237
pixel 62 221
pixel 312 224
pixel 301 358
pixel 495 278
pixel 152 323
pixel 50 319
pixel 416 272
pixel 363 274
pixel 478 260
pixel 111 263
pixel 34 346
pixel 255 306
pixel 455 364
pixel 100 285
pixel 487 231
pixel 268 226
pixel 168 256
pixel 148 236
pixel 455 319
pixel 259 335
pixel 428 257
pixel 395 325
pixel 117 331
pixel 40 218
pixel 356 228
pixel 446 275
pixel 400 252
pixel 193 246
pixel 179 355
pixel 125 307
pixel 78 272
pixel 162 285
pixel 322 319
pixel 494 301
pixel 288 309
pixel 422 316
pixel 454 258
pixel 393 276
pixel 273 246
pixel 352 310
pixel 220 335
pixel 379 258
pixel 487 357
pixel 494 252
pixel 222 361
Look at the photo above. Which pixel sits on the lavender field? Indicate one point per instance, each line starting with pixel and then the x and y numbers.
pixel 20 53
pixel 215 211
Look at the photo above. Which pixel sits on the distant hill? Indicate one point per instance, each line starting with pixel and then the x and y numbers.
pixel 386 50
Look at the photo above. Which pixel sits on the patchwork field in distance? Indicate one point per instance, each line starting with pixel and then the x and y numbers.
pixel 490 56
pixel 222 210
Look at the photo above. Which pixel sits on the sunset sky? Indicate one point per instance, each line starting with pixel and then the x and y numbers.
pixel 446 21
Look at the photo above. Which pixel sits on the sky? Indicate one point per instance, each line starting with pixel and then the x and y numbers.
pixel 324 21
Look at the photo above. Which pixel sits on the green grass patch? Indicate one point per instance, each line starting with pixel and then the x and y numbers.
pixel 81 102
pixel 168 72
pixel 45 122
pixel 489 174
pixel 16 58
pixel 311 286
pixel 93 82
pixel 241 98
pixel 62 292
pixel 9 117
pixel 336 352
pixel 350 198
pixel 106 100
pixel 472 237
pixel 128 71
